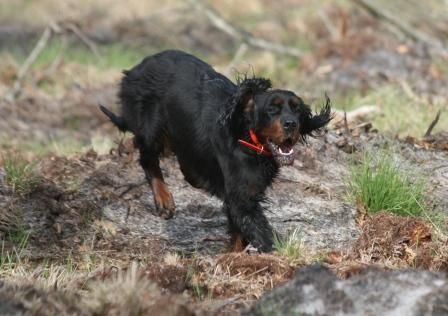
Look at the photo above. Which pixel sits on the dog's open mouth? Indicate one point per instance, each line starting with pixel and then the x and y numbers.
pixel 283 153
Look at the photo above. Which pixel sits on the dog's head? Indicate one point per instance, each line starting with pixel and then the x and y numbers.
pixel 279 118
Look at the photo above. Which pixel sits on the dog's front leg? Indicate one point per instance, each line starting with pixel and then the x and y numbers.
pixel 246 217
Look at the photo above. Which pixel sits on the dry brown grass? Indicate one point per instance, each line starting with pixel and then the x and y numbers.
pixel 241 275
pixel 131 293
pixel 10 218
pixel 393 242
pixel 56 289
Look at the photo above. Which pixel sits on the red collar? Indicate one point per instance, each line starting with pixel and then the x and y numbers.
pixel 255 145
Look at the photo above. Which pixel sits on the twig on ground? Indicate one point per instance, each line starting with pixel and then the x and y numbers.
pixel 346 128
pixel 87 41
pixel 241 35
pixel 409 92
pixel 128 212
pixel 51 29
pixel 58 59
pixel 433 124
pixel 256 272
pixel 229 301
pixel 23 71
pixel 360 114
pixel 329 25
pixel 406 29
pixel 131 187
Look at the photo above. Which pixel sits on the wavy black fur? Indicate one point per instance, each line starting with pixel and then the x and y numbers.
pixel 173 98
pixel 311 125
pixel 246 88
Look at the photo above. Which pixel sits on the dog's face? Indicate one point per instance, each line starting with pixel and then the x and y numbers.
pixel 277 117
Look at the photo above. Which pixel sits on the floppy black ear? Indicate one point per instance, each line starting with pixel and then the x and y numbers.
pixel 242 100
pixel 313 123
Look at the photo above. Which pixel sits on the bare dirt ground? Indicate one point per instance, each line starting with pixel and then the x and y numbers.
pixel 88 239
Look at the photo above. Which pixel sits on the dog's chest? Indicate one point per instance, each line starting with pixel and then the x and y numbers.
pixel 259 174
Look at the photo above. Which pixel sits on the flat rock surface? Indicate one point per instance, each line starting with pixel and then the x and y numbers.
pixel 317 291
pixel 303 198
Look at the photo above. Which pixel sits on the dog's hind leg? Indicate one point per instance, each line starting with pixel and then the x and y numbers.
pixel 149 160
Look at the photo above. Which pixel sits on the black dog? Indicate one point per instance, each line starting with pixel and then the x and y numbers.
pixel 230 140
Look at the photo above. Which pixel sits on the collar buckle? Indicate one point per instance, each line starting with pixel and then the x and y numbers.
pixel 255 145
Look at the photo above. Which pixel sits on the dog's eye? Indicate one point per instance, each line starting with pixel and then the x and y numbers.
pixel 295 105
pixel 274 109
pixel 295 108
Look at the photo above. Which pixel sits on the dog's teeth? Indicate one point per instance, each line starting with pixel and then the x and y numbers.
pixel 286 154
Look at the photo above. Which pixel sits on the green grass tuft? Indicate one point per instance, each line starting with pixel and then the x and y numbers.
pixel 379 184
pixel 289 246
pixel 20 174
pixel 10 259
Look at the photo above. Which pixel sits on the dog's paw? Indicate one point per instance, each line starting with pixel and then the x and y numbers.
pixel 163 200
pixel 166 207
pixel 263 243
pixel 237 243
pixel 265 247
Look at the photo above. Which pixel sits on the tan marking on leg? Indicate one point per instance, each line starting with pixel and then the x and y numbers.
pixel 237 243
pixel 162 197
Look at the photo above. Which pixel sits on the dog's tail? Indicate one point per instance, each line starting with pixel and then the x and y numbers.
pixel 117 120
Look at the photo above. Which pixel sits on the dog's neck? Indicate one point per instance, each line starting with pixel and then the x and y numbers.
pixel 254 144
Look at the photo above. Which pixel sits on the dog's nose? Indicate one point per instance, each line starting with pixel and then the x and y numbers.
pixel 289 125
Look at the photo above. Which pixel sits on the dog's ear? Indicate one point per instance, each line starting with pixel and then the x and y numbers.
pixel 242 102
pixel 313 123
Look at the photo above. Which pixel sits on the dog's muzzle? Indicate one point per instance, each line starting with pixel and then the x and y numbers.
pixel 284 153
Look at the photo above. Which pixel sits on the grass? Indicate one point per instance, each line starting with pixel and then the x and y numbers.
pixel 18 236
pixel 9 259
pixel 379 184
pixel 20 174
pixel 111 55
pixel 403 113
pixel 192 280
pixel 128 293
pixel 289 246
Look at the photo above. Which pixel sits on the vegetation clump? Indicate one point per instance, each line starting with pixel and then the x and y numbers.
pixel 20 174
pixel 379 184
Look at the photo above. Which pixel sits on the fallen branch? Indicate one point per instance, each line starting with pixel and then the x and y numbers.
pixel 407 30
pixel 130 187
pixel 244 36
pixel 52 28
pixel 229 301
pixel 346 128
pixel 433 124
pixel 40 45
pixel 328 24
pixel 88 42
pixel 358 114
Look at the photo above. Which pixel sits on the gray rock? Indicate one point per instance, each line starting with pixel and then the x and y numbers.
pixel 306 197
pixel 315 290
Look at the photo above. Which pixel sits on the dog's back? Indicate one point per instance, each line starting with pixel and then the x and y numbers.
pixel 165 101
